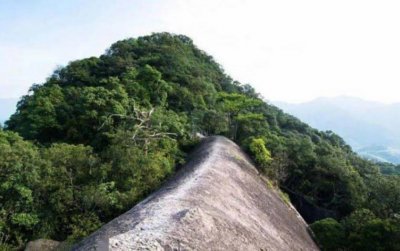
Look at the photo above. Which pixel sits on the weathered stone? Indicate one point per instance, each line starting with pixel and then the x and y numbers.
pixel 42 245
pixel 217 201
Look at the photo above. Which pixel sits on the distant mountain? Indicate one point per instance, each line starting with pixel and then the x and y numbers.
pixel 371 128
pixel 7 107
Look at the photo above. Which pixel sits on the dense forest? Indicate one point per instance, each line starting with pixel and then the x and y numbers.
pixel 103 132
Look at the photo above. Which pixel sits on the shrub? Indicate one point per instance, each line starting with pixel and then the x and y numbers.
pixel 329 234
pixel 261 156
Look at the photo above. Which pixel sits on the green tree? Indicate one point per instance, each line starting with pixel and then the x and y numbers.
pixel 261 154
pixel 239 109
pixel 66 192
pixel 20 164
pixel 107 131
pixel 329 234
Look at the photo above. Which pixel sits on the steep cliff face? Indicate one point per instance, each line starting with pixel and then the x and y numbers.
pixel 217 201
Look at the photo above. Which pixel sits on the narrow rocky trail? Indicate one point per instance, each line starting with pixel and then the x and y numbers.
pixel 217 201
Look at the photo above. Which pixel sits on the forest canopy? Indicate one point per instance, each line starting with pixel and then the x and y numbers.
pixel 103 132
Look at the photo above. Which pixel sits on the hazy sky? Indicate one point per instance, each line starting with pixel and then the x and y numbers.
pixel 288 50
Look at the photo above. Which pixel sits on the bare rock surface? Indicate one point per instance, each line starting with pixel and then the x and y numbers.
pixel 217 201
pixel 42 245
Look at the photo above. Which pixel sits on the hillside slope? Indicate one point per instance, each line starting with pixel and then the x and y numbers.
pixel 216 201
pixel 371 128
pixel 102 133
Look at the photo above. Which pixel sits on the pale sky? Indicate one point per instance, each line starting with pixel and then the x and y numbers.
pixel 291 51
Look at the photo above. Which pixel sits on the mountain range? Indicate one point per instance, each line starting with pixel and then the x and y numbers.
pixel 371 128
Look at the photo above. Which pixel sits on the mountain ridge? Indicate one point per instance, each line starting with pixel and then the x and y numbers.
pixel 104 132
pixel 218 201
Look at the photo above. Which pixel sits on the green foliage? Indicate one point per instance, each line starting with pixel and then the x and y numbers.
pixel 284 197
pixel 388 168
pixel 82 225
pixel 384 195
pixel 69 191
pixel 261 155
pixel 362 230
pixel 139 171
pixel 329 234
pixel 19 177
pixel 107 131
pixel 66 189
pixel 380 234
pixel 242 113
pixel 6 247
